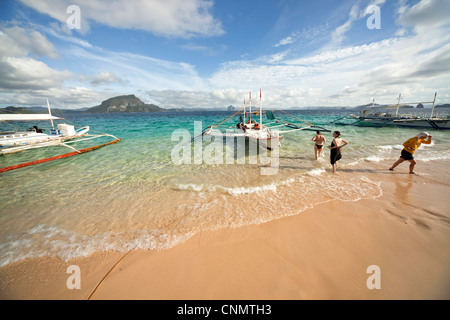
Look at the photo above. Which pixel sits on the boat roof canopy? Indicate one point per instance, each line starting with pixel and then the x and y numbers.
pixel 395 106
pixel 26 117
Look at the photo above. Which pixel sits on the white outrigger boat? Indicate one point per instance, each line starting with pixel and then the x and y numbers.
pixel 14 141
pixel 62 135
pixel 256 132
pixel 383 118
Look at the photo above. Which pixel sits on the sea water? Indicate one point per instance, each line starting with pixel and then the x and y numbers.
pixel 132 195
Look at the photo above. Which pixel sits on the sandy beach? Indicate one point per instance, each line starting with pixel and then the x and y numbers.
pixel 322 253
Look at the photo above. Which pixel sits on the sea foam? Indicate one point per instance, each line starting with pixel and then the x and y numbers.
pixel 235 191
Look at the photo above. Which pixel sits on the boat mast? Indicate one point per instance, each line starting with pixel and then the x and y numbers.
pixel 398 104
pixel 244 111
pixel 434 102
pixel 260 108
pixel 50 114
pixel 250 115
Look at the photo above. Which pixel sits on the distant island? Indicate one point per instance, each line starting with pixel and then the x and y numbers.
pixel 132 104
pixel 127 104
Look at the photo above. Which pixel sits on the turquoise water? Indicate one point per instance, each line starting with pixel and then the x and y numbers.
pixel 131 195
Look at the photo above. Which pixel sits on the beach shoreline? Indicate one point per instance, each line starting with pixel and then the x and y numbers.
pixel 322 253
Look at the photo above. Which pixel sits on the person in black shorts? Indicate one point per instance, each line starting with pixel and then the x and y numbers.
pixel 319 140
pixel 410 146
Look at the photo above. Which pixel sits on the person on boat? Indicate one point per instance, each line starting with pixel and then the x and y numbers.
pixel 336 145
pixel 411 146
pixel 319 140
pixel 240 123
pixel 38 130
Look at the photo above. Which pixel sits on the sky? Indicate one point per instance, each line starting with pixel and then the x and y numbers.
pixel 212 53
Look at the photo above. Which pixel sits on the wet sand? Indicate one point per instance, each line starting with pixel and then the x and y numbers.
pixel 322 253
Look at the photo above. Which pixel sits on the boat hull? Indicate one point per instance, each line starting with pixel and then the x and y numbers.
pixel 431 123
pixel 263 137
pixel 423 123
pixel 12 142
pixel 25 138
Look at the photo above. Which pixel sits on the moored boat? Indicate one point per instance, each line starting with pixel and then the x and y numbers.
pixel 63 135
pixel 267 135
pixel 383 118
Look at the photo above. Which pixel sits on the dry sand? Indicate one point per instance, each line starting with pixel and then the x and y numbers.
pixel 322 253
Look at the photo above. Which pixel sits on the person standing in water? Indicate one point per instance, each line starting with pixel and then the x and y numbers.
pixel 319 140
pixel 411 145
pixel 336 145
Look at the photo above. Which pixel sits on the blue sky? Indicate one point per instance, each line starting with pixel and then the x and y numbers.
pixel 205 53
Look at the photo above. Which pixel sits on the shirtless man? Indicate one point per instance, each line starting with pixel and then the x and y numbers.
pixel 319 142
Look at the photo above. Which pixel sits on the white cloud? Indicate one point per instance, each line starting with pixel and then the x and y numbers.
pixel 328 56
pixel 102 78
pixel 17 41
pixel 61 32
pixel 426 14
pixel 69 98
pixel 26 79
pixel 143 71
pixel 27 73
pixel 198 98
pixel 288 40
pixel 402 7
pixel 205 50
pixel 170 18
pixel 338 34
pixel 20 71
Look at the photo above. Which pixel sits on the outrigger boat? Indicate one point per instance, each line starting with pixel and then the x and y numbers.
pixel 63 135
pixel 257 132
pixel 382 118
